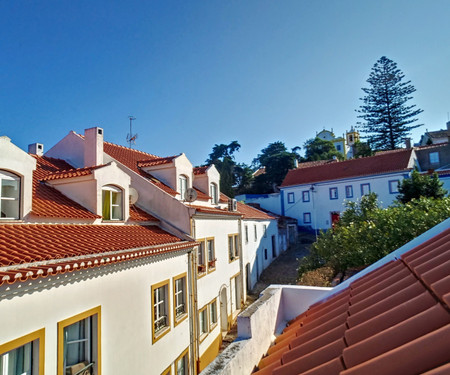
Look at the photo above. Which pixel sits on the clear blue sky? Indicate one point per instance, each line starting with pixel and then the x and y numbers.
pixel 196 73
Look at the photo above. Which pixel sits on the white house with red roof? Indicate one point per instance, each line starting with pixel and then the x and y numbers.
pixel 89 283
pixel 188 203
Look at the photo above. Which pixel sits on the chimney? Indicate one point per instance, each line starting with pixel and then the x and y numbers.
pixel 296 163
pixel 408 143
pixel 93 147
pixel 36 149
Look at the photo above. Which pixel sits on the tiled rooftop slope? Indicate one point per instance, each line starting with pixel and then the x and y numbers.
pixel 394 320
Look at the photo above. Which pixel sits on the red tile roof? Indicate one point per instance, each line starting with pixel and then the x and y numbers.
pixel 315 163
pixel 200 170
pixel 201 196
pixel 215 211
pixel 155 161
pixel 382 163
pixel 55 246
pixel 394 320
pixel 49 202
pixel 138 214
pixel 249 212
pixel 130 159
pixel 71 173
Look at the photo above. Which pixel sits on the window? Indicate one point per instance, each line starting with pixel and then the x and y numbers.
pixel 338 147
pixel 333 193
pixel 24 356
pixel 201 265
pixel 160 311
pixel 112 203
pixel 307 218
pixel 179 300
pixel 213 192
pixel 434 157
pixel 350 138
pixel 274 247
pixel 9 196
pixel 211 254
pixel 182 364
pixel 393 186
pixel 203 323
pixel 291 198
pixel 233 247
pixel 212 314
pixel 365 189
pixel 246 233
pixel 182 182
pixel 256 233
pixel 305 196
pixel 265 230
pixel 349 191
pixel 79 343
pixel 265 254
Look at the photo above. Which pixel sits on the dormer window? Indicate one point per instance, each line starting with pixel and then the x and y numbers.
pixel 112 203
pixel 213 193
pixel 182 181
pixel 9 195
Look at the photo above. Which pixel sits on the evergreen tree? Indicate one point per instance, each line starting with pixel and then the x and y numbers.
pixel 387 118
pixel 420 185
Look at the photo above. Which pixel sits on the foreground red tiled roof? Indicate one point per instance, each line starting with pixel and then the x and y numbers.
pixel 137 214
pixel 130 159
pixel 71 173
pixel 394 320
pixel 155 161
pixel 381 163
pixel 55 245
pixel 200 170
pixel 49 202
pixel 249 212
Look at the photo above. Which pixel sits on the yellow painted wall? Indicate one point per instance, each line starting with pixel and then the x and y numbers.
pixel 211 353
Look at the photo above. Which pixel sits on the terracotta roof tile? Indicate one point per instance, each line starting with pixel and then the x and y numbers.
pixel 383 163
pixel 214 210
pixel 71 173
pixel 138 214
pixel 200 170
pixel 249 212
pixel 57 244
pixel 155 161
pixel 377 325
pixel 201 196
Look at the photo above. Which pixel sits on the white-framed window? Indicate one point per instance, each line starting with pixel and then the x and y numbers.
pixel 183 184
pixel 201 257
pixel 160 313
pixel 112 203
pixel 291 198
pixel 365 189
pixel 256 232
pixel 333 193
pixel 305 196
pixel 214 193
pixel 393 186
pixel 211 253
pixel 349 191
pixel 182 363
pixel 307 218
pixel 212 314
pixel 179 303
pixel 79 343
pixel 434 157
pixel 9 196
pixel 233 247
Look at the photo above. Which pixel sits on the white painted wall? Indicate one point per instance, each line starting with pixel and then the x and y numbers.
pixel 124 293
pixel 70 149
pixel 203 181
pixel 15 160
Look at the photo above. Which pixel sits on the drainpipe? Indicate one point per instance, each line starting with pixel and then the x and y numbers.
pixel 193 308
pixel 241 263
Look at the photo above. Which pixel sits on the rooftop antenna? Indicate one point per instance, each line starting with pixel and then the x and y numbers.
pixel 131 138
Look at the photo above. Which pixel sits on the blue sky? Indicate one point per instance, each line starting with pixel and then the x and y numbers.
pixel 196 73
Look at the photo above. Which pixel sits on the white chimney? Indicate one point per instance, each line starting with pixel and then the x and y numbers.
pixel 93 147
pixel 36 149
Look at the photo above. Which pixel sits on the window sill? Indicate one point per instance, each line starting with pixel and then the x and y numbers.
pixel 211 328
pixel 180 319
pixel 6 220
pixel 162 332
pixel 203 337
pixel 233 260
pixel 211 269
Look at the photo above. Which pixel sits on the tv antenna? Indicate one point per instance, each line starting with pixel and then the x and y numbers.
pixel 131 138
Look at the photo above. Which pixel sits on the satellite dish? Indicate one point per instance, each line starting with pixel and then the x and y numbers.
pixel 133 195
pixel 190 195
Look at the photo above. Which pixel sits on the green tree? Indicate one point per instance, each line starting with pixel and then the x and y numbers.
pixel 420 185
pixel 320 149
pixel 277 161
pixel 387 118
pixel 243 178
pixel 361 149
pixel 222 157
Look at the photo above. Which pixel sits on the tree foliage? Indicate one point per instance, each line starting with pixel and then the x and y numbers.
pixel 243 178
pixel 222 157
pixel 276 160
pixel 320 149
pixel 420 185
pixel 361 149
pixel 387 117
pixel 366 233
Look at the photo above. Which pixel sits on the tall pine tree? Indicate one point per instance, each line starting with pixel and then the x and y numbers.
pixel 387 118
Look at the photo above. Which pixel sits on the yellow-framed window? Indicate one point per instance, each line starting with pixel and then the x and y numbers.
pixel 79 343
pixel 167 371
pixel 182 363
pixel 233 247
pixel 24 355
pixel 201 260
pixel 203 326
pixel 180 307
pixel 211 250
pixel 160 310
pixel 212 314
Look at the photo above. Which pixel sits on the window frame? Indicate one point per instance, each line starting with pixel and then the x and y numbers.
pixel 202 267
pixel 178 319
pixel 305 196
pixel 212 324
pixel 290 197
pixel 333 190
pixel 163 331
pixel 391 189
pixel 233 250
pixel 183 182
pixel 113 189
pixel 433 157
pixel 246 233
pixel 202 335
pixel 211 266
pixel 96 311
pixel 256 232
pixel 305 215
pixel 7 175
pixel 24 340
pixel 265 230
pixel 362 189
pixel 185 353
pixel 213 192
pixel 347 188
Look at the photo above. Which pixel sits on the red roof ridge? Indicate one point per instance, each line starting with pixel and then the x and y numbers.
pixel 155 161
pixel 200 170
pixel 76 172
pixel 131 149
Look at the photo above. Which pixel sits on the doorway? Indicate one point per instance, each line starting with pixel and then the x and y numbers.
pixel 223 310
